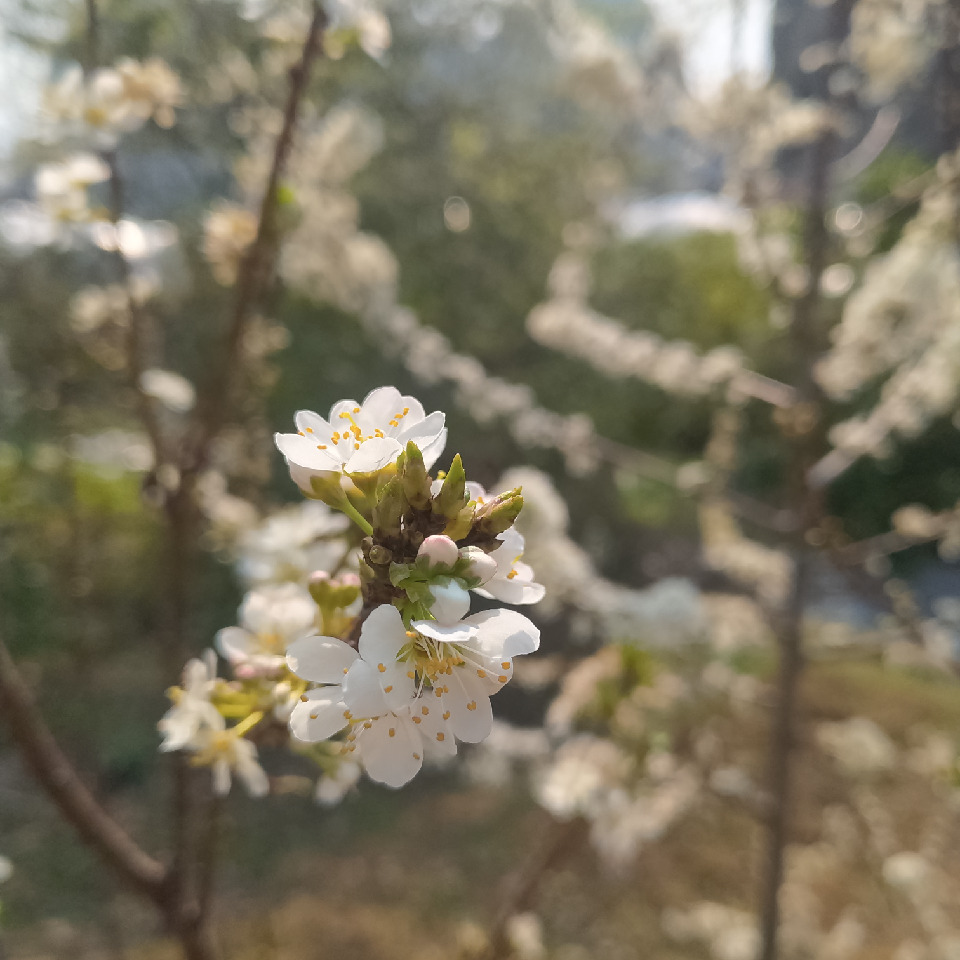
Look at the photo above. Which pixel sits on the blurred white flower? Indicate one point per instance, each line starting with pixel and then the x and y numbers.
pixel 175 392
pixel 271 618
pixel 333 787
pixel 858 745
pixel 228 232
pixel 192 714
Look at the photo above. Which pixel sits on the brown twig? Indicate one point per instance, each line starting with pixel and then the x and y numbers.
pixel 76 803
pixel 520 890
pixel 257 267
pixel 805 502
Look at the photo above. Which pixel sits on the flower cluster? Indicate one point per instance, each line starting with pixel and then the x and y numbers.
pixel 567 322
pixel 380 646
pixel 114 100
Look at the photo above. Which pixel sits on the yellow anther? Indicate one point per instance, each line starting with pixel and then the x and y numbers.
pixel 346 670
pixel 304 698
pixel 381 668
pixel 416 756
pixel 347 715
pixel 356 446
pixel 503 678
pixel 393 732
pixel 313 716
pixel 388 689
pixel 302 434
pixel 481 673
pixel 412 674
pixel 505 665
pixel 406 410
pixel 356 409
pixel 309 429
pixel 378 432
pixel 472 705
pixel 512 574
pixel 321 446
pixel 439 691
pixel 440 738
pixel 425 711
pixel 446 715
pixel 417 719
pixel 367 724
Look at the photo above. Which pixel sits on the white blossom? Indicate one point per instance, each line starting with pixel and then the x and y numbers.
pixel 429 686
pixel 192 714
pixel 513 582
pixel 360 437
pixel 271 618
pixel 291 543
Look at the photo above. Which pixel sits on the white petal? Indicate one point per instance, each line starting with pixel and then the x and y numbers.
pixel 382 635
pixel 373 455
pixel 451 602
pixel 515 591
pixel 320 659
pixel 423 431
pixel 431 451
pixel 320 716
pixel 398 683
pixel 235 643
pixel 459 633
pixel 362 691
pixel 379 407
pixel 465 697
pixel 342 406
pixel 438 737
pixel 391 750
pixel 505 634
pixel 221 777
pixel 304 452
pixel 314 426
pixel 249 771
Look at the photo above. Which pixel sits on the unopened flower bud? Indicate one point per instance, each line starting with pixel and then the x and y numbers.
pixel 347 590
pixel 389 509
pixel 438 550
pixel 482 565
pixel 450 602
pixel 461 524
pixel 452 496
pixel 416 483
pixel 500 513
pixel 320 587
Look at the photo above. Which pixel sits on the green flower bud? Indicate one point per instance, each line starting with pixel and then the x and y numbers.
pixel 416 482
pixel 452 496
pixel 391 506
pixel 461 524
pixel 500 513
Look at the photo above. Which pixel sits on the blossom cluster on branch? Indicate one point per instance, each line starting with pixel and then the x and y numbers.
pixel 381 650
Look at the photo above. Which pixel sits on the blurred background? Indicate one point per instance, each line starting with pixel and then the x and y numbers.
pixel 588 231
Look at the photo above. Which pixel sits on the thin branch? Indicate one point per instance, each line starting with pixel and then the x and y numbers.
pixel 805 500
pixel 520 890
pixel 257 267
pixel 59 779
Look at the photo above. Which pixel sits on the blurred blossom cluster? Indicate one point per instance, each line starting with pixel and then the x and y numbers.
pixel 901 324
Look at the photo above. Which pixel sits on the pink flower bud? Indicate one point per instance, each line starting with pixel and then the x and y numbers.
pixel 439 549
pixel 482 565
